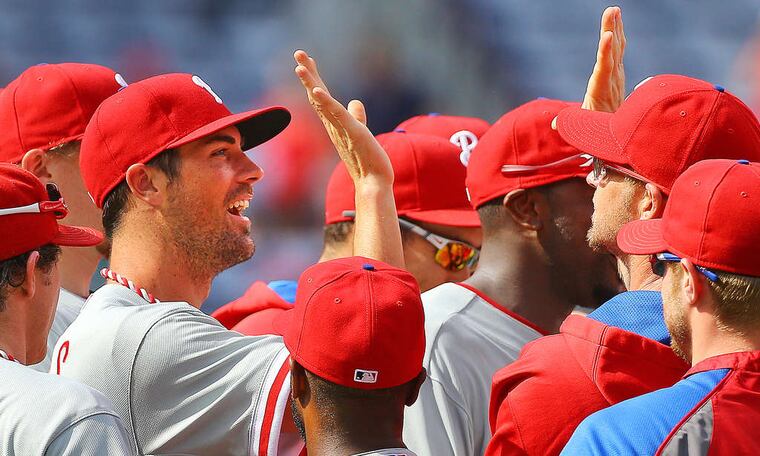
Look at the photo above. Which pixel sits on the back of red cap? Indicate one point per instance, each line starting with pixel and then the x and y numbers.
pixel 51 104
pixel 358 323
pixel 522 136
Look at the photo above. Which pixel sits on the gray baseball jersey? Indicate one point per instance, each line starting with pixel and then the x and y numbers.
pixel 69 306
pixel 181 382
pixel 468 338
pixel 41 414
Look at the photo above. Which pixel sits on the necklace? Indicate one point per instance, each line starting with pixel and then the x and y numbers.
pixel 142 292
pixel 5 355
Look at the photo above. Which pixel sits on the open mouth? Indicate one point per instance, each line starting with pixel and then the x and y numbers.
pixel 237 208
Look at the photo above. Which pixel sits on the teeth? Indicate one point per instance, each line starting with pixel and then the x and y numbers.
pixel 241 205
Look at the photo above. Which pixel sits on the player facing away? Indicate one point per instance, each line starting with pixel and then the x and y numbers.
pixel 706 247
pixel 42 414
pixel 356 340
pixel 437 252
pixel 164 157
pixel 622 349
pixel 533 230
pixel 44 112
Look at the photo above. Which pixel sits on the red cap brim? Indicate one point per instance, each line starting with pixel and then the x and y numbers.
pixel 256 127
pixel 642 237
pixel 589 131
pixel 448 217
pixel 77 236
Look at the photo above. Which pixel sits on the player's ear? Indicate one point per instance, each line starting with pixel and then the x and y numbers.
pixel 147 184
pixel 524 207
pixel 692 283
pixel 299 384
pixel 35 161
pixel 29 285
pixel 652 203
pixel 414 389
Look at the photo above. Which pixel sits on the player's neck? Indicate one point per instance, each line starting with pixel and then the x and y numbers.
pixel 537 296
pixel 636 272
pixel 708 340
pixel 158 267
pixel 77 266
pixel 13 330
pixel 351 440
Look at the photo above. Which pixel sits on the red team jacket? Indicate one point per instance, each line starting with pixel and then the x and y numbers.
pixel 252 314
pixel 619 351
pixel 712 411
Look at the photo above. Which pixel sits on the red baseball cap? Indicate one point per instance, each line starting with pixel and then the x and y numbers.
pixel 524 141
pixel 160 113
pixel 666 124
pixel 357 322
pixel 428 185
pixel 712 218
pixel 463 132
pixel 29 219
pixel 50 104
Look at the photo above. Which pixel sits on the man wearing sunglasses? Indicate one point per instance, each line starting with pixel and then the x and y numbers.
pixel 622 349
pixel 42 414
pixel 706 247
pixel 444 250
pixel 44 112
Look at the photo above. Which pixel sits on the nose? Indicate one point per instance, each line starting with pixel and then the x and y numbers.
pixel 590 179
pixel 249 171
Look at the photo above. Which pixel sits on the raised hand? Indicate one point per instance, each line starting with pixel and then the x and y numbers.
pixel 376 230
pixel 357 147
pixel 606 86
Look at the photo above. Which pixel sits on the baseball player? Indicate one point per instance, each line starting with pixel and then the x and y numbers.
pixel 622 349
pixel 42 414
pixel 45 111
pixel 706 247
pixel 533 228
pixel 164 158
pixel 350 380
pixel 440 252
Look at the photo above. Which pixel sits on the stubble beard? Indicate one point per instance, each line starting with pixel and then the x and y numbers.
pixel 678 327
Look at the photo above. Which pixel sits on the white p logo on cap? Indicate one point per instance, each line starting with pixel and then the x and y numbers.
pixel 466 141
pixel 201 83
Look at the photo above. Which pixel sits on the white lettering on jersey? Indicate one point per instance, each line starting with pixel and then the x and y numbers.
pixel 201 83
pixel 466 141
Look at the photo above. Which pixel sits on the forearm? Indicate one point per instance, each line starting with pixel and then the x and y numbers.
pixel 376 231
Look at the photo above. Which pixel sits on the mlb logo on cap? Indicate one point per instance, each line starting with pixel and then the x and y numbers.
pixel 365 376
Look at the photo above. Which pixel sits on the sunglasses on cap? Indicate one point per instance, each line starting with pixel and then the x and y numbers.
pixel 55 205
pixel 599 175
pixel 450 254
pixel 658 266
pixel 576 163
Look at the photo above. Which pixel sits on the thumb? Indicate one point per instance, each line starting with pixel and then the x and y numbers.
pixel 356 108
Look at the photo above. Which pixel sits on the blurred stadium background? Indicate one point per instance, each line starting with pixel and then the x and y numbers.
pixel 401 57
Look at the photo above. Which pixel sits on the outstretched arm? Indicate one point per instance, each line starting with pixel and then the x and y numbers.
pixel 376 232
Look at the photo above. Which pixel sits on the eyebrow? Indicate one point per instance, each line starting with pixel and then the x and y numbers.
pixel 220 138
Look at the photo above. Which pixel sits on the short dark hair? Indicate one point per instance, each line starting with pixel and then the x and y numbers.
pixel 13 270
pixel 338 233
pixel 492 213
pixel 117 201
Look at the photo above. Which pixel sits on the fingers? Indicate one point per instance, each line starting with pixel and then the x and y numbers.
pixel 357 111
pixel 604 59
pixel 608 20
pixel 304 60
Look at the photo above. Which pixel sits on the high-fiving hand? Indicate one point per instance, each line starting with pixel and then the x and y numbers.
pixel 606 86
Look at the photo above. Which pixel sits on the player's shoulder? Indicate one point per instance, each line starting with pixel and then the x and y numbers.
pixel 444 302
pixel 58 399
pixel 641 424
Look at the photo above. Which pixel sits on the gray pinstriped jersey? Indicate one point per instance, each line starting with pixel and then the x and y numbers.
pixel 182 383
pixel 41 414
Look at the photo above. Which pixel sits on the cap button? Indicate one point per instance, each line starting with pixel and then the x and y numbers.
pixel 368 267
pixel 744 162
pixel 399 130
pixel 719 88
